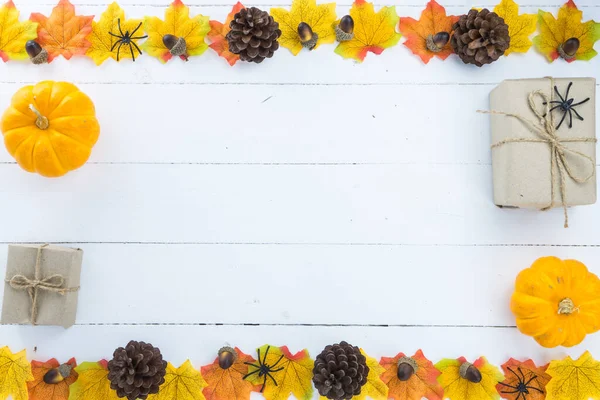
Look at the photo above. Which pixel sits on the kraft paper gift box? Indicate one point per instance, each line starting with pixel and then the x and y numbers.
pixel 41 285
pixel 535 165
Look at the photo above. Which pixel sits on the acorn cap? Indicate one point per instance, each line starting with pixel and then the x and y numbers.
pixel 36 53
pixel 227 357
pixel 406 368
pixel 437 42
pixel 176 45
pixel 568 49
pixel 469 372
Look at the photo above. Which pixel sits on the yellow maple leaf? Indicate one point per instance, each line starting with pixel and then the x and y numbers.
pixel 520 27
pixel 292 372
pixel 555 32
pixel 456 387
pixel 14 34
pixel 574 380
pixel 15 372
pixel 179 24
pixel 373 32
pixel 104 45
pixel 93 383
pixel 375 388
pixel 319 17
pixel 183 383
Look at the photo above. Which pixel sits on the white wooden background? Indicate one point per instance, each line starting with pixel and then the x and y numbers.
pixel 302 201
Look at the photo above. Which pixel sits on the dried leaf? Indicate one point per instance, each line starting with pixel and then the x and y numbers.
pixel 103 44
pixel 375 388
pixel 458 388
pixel 423 384
pixel 183 383
pixel 177 23
pixel 520 27
pixel 40 390
pixel 320 18
pixel 523 375
pixel 93 383
pixel 14 34
pixel 217 34
pixel 15 372
pixel 554 32
pixel 433 20
pixel 574 380
pixel 294 377
pixel 228 384
pixel 63 32
pixel 373 32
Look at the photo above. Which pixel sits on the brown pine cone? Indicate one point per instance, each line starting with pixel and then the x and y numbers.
pixel 136 370
pixel 253 35
pixel 340 371
pixel 480 37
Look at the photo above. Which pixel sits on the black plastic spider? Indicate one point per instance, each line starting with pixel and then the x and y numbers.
pixel 127 39
pixel 264 369
pixel 566 106
pixel 523 387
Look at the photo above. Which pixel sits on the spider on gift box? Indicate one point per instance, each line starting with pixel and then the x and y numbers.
pixel 126 39
pixel 566 106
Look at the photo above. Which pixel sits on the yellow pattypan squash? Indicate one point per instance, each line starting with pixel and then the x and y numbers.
pixel 50 128
pixel 557 302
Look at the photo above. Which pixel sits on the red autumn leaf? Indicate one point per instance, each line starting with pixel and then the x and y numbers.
pixel 217 34
pixel 63 32
pixel 228 384
pixel 40 390
pixel 516 372
pixel 433 20
pixel 423 384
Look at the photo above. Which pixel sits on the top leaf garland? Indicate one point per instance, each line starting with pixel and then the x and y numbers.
pixel 479 37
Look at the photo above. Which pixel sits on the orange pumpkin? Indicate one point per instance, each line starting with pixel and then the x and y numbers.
pixel 557 302
pixel 50 128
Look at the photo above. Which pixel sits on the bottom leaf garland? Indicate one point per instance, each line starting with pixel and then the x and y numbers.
pixel 279 374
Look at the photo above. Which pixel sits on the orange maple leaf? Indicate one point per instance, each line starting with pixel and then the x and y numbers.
pixel 217 34
pixel 40 390
pixel 433 20
pixel 534 378
pixel 63 32
pixel 422 384
pixel 228 384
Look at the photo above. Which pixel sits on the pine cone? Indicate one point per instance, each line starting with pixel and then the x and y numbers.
pixel 340 371
pixel 480 37
pixel 136 370
pixel 253 35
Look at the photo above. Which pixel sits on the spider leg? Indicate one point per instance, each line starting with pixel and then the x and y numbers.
pixel 562 119
pixel 277 362
pixel 250 373
pixel 131 50
pixel 138 27
pixel 119 23
pixel 557 92
pixel 534 388
pixel 264 361
pixel 278 369
pixel 114 45
pixel 139 37
pixel 119 51
pixel 254 365
pixel 568 90
pixel 532 378
pixel 264 384
pixel 136 46
pixel 519 395
pixel 258 351
pixel 271 376
pixel 507 392
pixel 513 372
pixel 521 372
pixel 510 386
pixel 570 119
pixel 112 34
pixel 581 102
pixel 555 107
pixel 577 114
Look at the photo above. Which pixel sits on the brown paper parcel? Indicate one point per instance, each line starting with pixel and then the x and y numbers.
pixel 523 173
pixel 56 306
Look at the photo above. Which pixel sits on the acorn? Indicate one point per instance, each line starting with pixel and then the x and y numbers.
pixel 406 368
pixel 57 375
pixel 470 372
pixel 176 46
pixel 227 356
pixel 568 49
pixel 307 37
pixel 345 29
pixel 36 53
pixel 437 42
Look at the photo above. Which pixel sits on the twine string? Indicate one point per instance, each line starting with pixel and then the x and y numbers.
pixel 53 284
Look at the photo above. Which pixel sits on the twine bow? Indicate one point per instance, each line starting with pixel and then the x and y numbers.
pixel 53 284
pixel 546 133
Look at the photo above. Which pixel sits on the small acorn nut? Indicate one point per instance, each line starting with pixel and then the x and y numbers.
pixel 470 372
pixel 568 49
pixel 437 42
pixel 57 375
pixel 227 356
pixel 36 53
pixel 307 37
pixel 345 29
pixel 406 368
pixel 176 45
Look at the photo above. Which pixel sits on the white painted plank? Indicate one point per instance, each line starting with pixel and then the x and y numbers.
pixel 408 204
pixel 200 343
pixel 395 66
pixel 278 284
